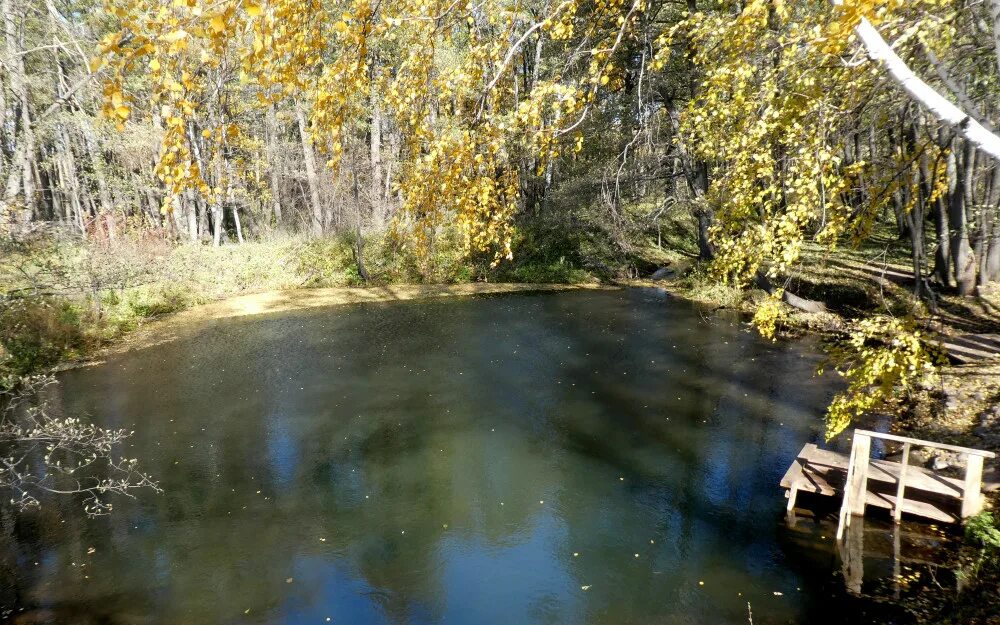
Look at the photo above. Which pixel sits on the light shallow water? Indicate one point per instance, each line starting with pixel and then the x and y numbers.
pixel 599 457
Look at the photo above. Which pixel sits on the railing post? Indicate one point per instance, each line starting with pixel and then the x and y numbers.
pixel 858 487
pixel 972 491
pixel 845 504
pixel 897 510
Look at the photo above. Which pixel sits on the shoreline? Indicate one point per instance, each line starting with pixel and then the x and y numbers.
pixel 956 428
pixel 172 326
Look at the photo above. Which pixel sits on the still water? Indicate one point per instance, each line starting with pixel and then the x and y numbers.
pixel 602 458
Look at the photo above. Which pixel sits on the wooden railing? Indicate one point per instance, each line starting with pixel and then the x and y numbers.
pixel 856 486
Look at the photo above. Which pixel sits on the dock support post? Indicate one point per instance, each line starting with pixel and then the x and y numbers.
pixel 972 491
pixel 793 492
pixel 857 489
pixel 897 509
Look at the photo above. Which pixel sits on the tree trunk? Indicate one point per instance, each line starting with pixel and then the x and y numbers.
pixel 310 163
pixel 793 300
pixel 272 163
pixel 962 259
pixel 21 176
pixel 993 254
pixel 359 240
pixel 97 164
pixel 940 107
pixel 942 264
pixel 990 259
pixel 375 155
pixel 239 226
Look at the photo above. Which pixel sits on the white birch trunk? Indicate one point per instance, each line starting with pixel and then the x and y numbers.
pixel 939 106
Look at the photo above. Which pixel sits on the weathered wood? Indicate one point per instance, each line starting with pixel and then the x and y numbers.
pixel 972 498
pixel 793 492
pixel 897 511
pixel 857 487
pixel 927 494
pixel 823 473
pixel 844 518
pixel 922 443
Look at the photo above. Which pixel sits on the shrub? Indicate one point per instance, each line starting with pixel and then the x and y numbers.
pixel 38 333
pixel 982 531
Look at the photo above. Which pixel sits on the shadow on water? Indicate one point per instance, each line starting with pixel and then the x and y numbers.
pixel 599 457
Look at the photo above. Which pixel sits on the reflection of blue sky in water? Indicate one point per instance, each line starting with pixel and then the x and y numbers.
pixel 442 461
pixel 282 451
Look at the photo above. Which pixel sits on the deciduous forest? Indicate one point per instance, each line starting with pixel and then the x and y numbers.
pixel 822 168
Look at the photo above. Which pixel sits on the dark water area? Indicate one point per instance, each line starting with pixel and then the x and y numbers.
pixel 595 458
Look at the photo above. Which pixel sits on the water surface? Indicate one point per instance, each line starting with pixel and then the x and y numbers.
pixel 595 458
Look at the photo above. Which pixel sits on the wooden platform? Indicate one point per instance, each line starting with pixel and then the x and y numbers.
pixel 928 494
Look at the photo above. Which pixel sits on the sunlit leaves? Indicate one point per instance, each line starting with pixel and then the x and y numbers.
pixel 441 71
pixel 778 114
pixel 882 359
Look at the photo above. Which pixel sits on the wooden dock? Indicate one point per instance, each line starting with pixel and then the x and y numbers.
pixel 899 487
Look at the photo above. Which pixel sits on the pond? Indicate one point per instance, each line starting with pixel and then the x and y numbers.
pixel 606 457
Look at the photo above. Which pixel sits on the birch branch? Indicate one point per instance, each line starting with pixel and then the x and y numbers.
pixel 940 107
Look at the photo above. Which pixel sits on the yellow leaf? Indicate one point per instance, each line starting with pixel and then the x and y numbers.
pixel 154 65
pixel 122 111
pixel 253 10
pixel 218 23
pixel 175 35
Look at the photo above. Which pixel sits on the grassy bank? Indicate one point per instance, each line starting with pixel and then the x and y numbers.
pixel 63 298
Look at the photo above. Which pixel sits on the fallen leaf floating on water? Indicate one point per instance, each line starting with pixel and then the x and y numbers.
pixel 585 587
pixel 289 580
pixel 778 594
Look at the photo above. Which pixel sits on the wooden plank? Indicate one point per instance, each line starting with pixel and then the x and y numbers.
pixel 844 518
pixel 933 510
pixel 857 485
pixel 794 472
pixel 972 498
pixel 922 443
pixel 897 512
pixel 823 473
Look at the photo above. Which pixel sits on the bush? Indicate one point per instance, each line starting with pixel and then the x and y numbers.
pixel 560 272
pixel 38 333
pixel 982 531
pixel 326 262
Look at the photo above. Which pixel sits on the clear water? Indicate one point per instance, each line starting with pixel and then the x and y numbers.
pixel 584 457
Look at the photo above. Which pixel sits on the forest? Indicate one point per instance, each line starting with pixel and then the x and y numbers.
pixel 826 170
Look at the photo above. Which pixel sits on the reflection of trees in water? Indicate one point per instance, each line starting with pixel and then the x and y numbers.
pixel 374 404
